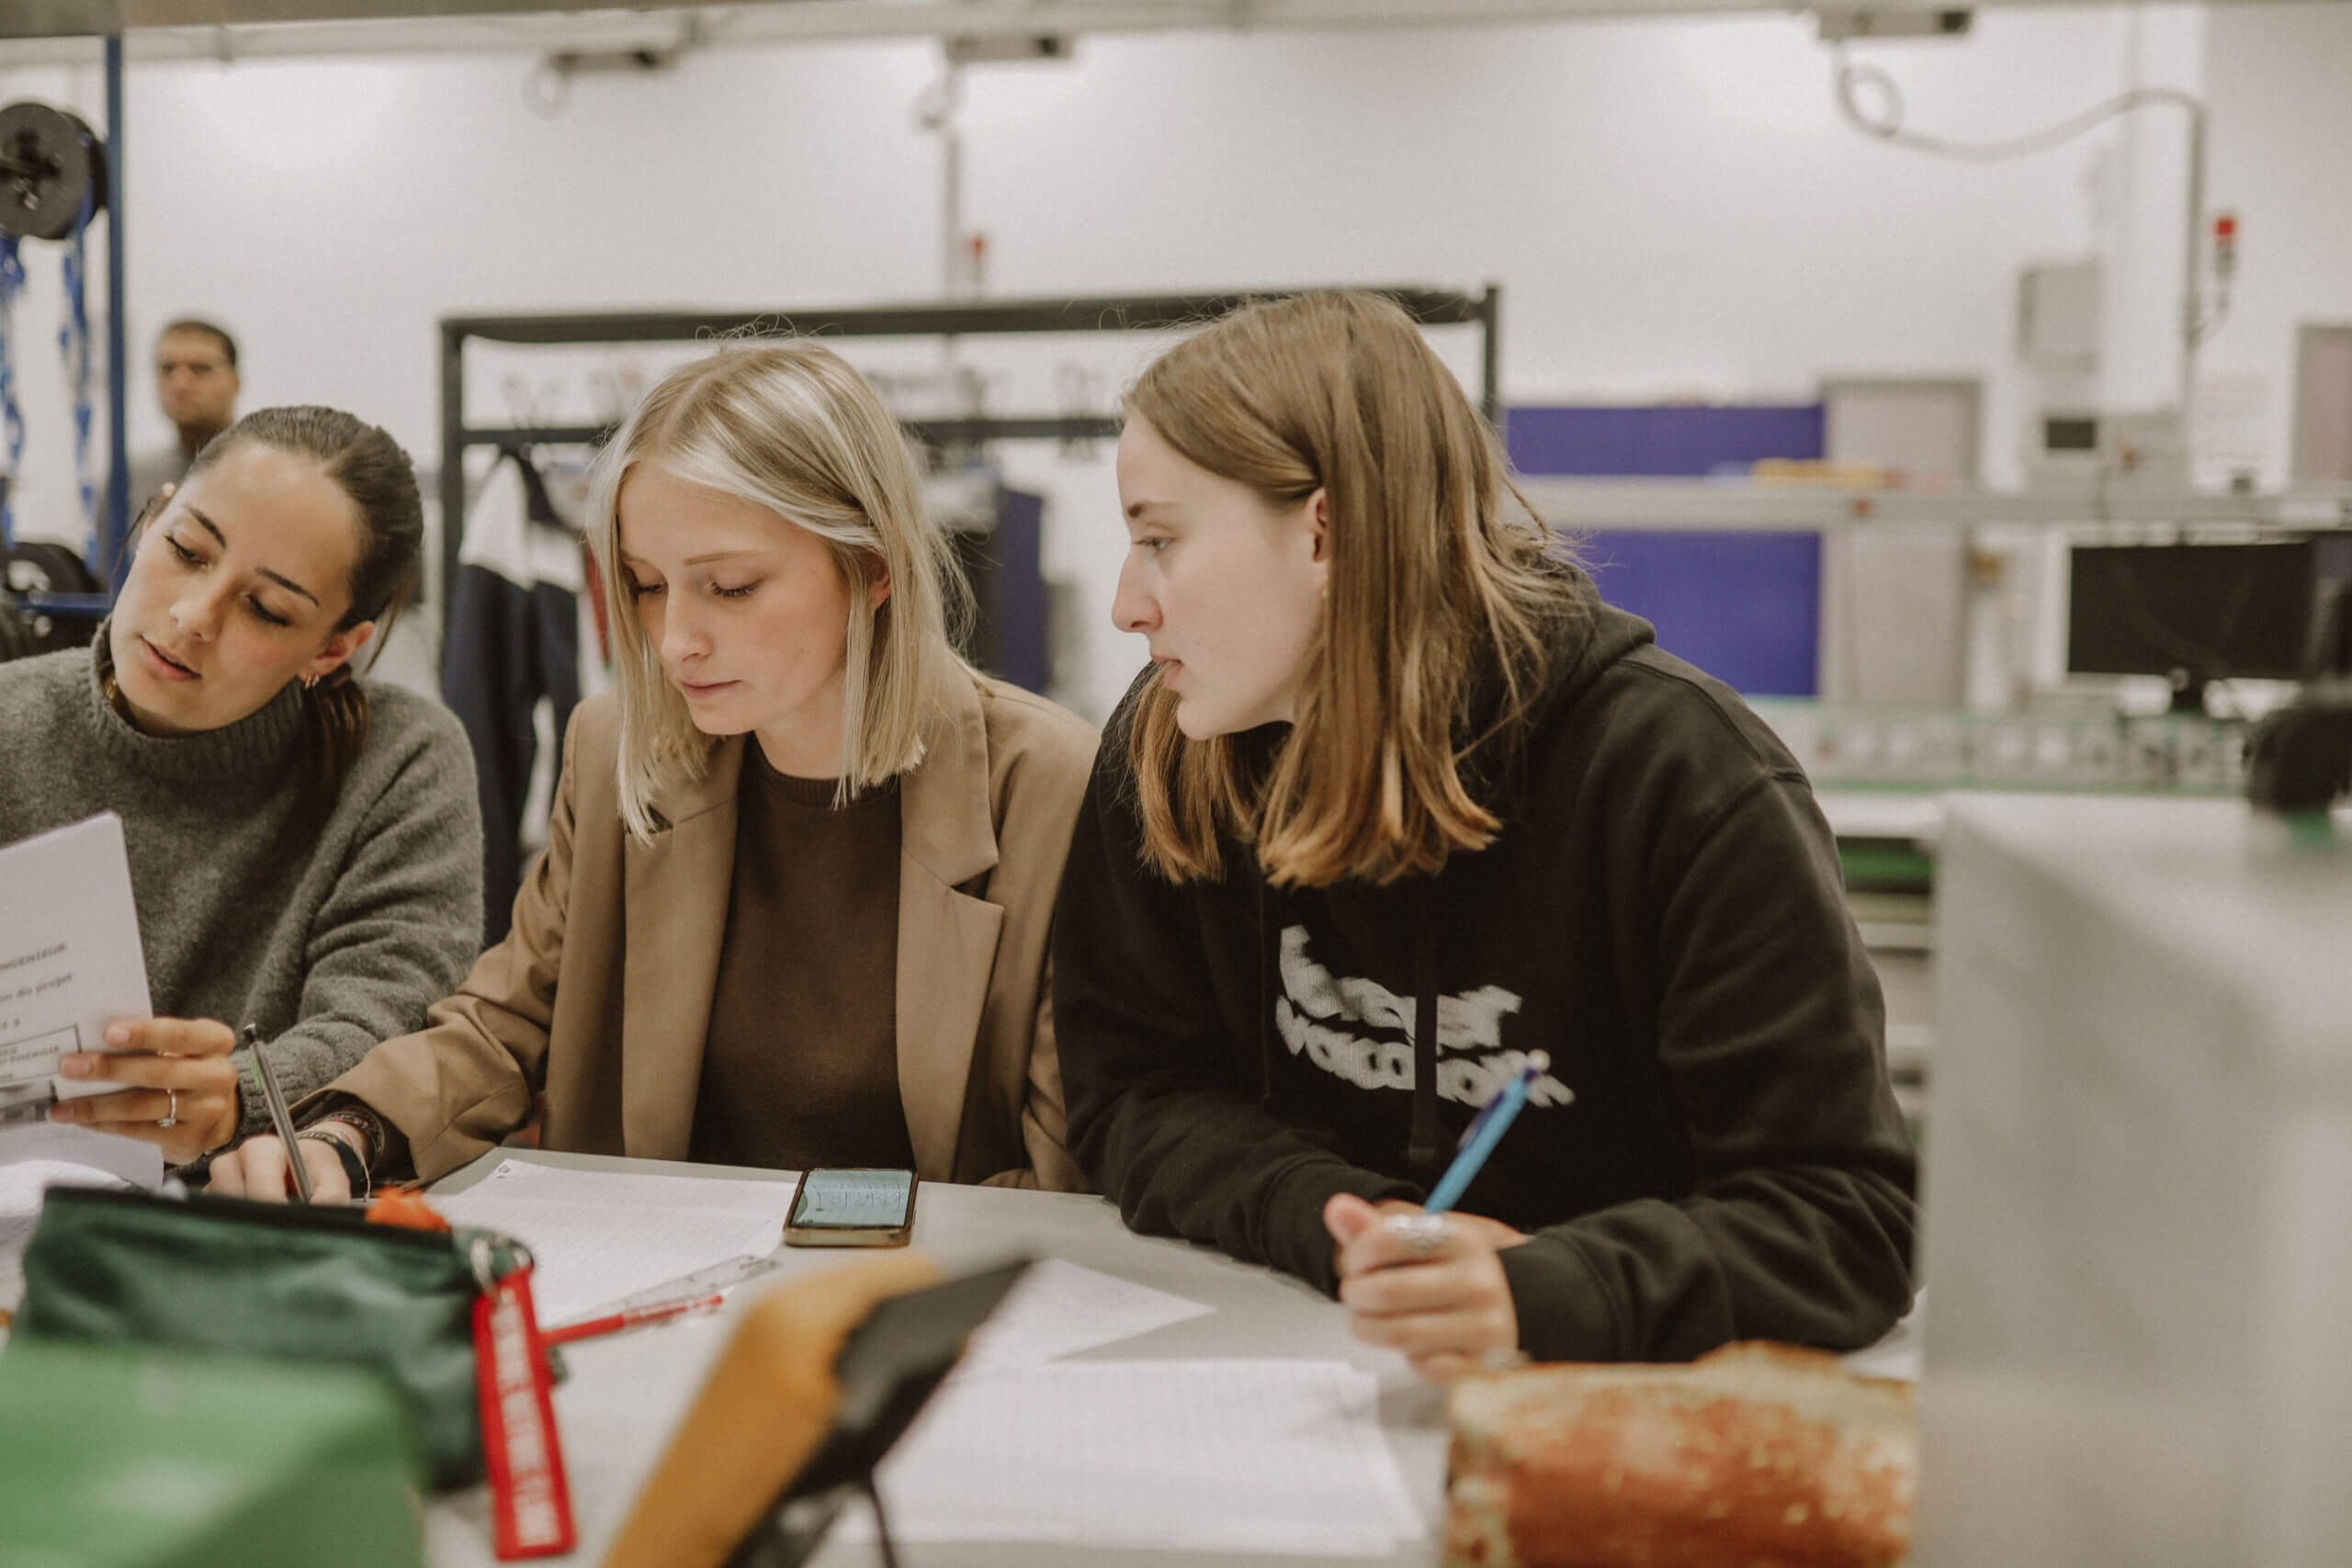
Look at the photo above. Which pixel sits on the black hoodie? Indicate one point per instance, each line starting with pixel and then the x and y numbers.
pixel 1715 1153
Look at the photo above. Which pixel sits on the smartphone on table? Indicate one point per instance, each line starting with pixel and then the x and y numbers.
pixel 852 1208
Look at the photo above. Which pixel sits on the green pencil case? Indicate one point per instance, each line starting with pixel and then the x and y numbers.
pixel 290 1282
pixel 128 1456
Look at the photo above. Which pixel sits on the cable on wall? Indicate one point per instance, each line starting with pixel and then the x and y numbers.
pixel 1886 125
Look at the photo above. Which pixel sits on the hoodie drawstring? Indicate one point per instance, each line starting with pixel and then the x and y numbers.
pixel 1266 980
pixel 1422 1154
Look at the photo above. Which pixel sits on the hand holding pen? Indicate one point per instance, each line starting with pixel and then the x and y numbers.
pixel 1426 1280
pixel 264 1166
pixel 282 1115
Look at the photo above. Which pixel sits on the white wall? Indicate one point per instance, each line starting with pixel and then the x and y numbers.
pixel 1674 208
pixel 2282 158
pixel 2141 208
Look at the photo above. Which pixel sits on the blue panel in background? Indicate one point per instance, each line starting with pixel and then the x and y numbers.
pixel 1673 441
pixel 1744 608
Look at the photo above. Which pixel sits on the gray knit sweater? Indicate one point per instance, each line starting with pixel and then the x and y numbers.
pixel 332 924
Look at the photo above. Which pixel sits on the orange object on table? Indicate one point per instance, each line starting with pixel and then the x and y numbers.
pixel 404 1207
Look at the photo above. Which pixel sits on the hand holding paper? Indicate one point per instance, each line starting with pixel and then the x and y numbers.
pixel 71 965
pixel 179 1090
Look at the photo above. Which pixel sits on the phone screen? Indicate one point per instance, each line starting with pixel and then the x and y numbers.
pixel 852 1200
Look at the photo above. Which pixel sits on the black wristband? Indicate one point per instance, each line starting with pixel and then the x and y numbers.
pixel 356 1114
pixel 355 1169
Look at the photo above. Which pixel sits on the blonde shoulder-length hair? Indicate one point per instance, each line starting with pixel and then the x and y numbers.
pixel 787 425
pixel 1440 602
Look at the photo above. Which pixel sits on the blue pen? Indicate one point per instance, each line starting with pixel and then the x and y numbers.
pixel 1479 1140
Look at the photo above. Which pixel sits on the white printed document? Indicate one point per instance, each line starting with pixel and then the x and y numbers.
pixel 596 1236
pixel 1260 1457
pixel 70 964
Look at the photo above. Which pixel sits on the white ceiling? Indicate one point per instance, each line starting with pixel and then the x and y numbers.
pixel 35 31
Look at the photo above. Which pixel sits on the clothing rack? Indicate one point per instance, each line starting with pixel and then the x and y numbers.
pixel 1149 313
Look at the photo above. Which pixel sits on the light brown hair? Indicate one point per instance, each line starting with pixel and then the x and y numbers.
pixel 1439 599
pixel 787 425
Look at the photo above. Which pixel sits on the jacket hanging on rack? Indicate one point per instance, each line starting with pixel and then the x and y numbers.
pixel 515 638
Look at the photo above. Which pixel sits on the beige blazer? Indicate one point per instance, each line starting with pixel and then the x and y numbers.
pixel 601 992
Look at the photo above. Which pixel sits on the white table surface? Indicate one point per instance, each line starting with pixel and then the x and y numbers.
pixel 1884 814
pixel 627 1392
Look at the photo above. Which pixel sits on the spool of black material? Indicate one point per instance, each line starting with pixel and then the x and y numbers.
pixel 51 161
pixel 39 566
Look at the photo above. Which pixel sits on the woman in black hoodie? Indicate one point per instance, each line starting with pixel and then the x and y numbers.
pixel 1401 802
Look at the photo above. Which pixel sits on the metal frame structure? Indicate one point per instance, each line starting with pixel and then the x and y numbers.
pixel 109 548
pixel 1152 312
pixel 231 29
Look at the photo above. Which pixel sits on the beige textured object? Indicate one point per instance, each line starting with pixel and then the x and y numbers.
pixel 1756 1455
pixel 761 1413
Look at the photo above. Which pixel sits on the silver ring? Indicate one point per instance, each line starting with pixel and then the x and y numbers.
pixel 170 1118
pixel 1425 1234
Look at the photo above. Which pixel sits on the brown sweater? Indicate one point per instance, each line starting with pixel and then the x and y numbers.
pixel 800 1068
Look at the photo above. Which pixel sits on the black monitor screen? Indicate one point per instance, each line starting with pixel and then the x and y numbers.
pixel 2213 610
pixel 2064 435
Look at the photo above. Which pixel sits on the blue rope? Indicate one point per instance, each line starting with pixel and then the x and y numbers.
pixel 73 345
pixel 12 418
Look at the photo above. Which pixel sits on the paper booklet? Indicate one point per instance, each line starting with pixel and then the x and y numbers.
pixel 70 963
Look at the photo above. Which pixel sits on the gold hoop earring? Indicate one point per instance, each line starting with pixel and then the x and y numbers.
pixel 309 683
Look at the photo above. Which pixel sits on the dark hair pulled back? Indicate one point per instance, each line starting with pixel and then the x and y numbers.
pixel 370 467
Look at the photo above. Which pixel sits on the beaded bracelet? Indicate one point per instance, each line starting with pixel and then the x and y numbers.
pixel 355 1169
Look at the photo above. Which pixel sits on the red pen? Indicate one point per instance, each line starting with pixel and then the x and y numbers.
pixel 660 1311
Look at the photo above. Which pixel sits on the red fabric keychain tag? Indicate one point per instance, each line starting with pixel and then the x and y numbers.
pixel 530 1502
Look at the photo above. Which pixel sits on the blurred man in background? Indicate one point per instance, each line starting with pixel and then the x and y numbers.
pixel 196 385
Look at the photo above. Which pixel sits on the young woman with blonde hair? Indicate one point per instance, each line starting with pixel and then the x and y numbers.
pixel 794 907
pixel 1400 803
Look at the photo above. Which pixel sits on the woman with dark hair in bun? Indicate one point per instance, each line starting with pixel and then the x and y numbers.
pixel 305 845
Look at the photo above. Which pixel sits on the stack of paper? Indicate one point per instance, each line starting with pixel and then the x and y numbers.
pixel 1274 1456
pixel 597 1236
pixel 1902 1353
pixel 1060 1308
pixel 24 1186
